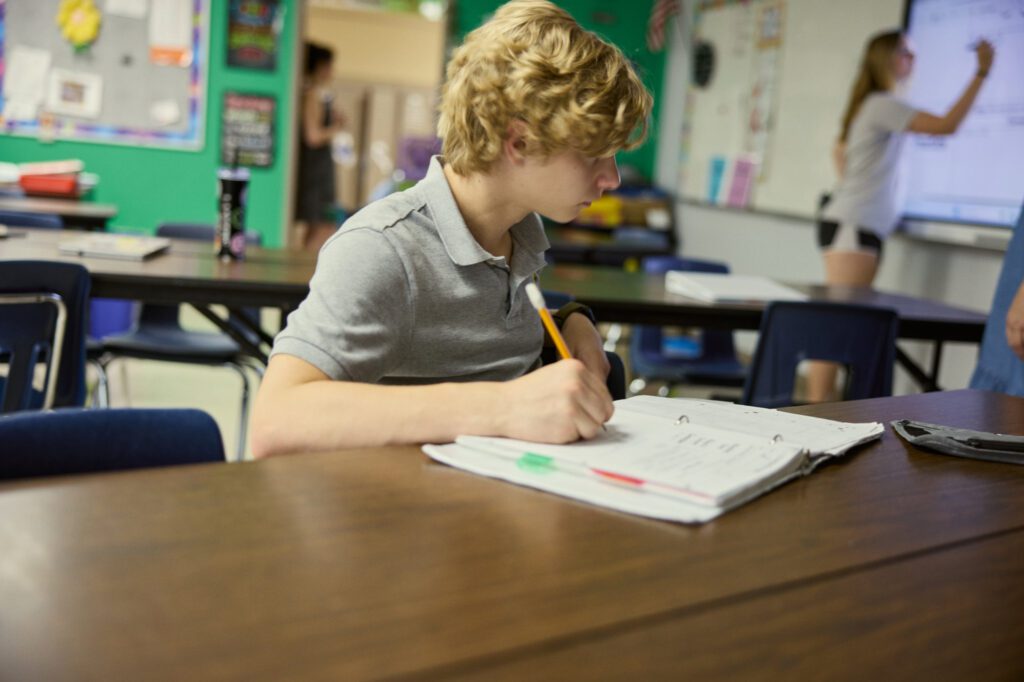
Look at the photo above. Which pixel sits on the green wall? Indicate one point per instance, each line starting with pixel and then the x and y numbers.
pixel 621 23
pixel 150 186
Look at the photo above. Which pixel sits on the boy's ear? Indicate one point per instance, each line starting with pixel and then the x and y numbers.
pixel 514 145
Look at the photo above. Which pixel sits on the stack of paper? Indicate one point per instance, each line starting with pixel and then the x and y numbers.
pixel 725 288
pixel 679 460
pixel 117 246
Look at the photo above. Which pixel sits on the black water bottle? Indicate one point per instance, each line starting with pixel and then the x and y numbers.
pixel 232 187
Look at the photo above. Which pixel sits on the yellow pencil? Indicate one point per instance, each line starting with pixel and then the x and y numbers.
pixel 537 299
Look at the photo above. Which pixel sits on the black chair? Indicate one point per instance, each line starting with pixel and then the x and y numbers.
pixel 21 219
pixel 158 334
pixel 43 322
pixel 707 359
pixel 860 338
pixel 75 441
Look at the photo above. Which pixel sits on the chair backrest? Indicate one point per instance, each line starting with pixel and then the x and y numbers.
pixel 71 283
pixel 616 377
pixel 647 340
pixel 48 221
pixel 557 299
pixel 860 338
pixel 76 441
pixel 200 232
pixel 31 333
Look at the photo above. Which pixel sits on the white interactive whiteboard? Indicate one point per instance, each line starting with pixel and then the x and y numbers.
pixel 976 175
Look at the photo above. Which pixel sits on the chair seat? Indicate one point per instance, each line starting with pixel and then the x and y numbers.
pixel 172 343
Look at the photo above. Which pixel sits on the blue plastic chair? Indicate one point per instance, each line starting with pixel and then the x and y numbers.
pixel 710 359
pixel 75 441
pixel 158 334
pixel 860 338
pixel 49 221
pixel 27 333
pixel 106 315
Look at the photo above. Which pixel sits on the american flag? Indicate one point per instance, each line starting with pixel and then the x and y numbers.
pixel 660 13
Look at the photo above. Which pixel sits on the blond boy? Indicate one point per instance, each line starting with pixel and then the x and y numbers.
pixel 417 327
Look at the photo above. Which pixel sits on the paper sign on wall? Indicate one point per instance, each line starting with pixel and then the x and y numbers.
pixel 25 82
pixel 74 93
pixel 170 33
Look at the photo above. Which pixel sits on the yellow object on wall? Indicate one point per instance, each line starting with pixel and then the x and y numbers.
pixel 79 21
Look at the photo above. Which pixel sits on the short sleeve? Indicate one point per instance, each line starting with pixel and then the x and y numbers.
pixel 889 113
pixel 355 323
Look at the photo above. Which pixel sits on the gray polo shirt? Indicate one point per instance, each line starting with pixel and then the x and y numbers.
pixel 403 294
pixel 868 194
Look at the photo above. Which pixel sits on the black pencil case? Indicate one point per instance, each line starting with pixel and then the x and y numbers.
pixel 994 447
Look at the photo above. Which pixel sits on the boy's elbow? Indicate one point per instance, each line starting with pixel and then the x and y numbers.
pixel 263 441
pixel 269 435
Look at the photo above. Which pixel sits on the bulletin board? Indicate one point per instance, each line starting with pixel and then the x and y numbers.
pixel 759 134
pixel 142 82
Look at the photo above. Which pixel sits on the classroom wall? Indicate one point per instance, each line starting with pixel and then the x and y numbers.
pixel 785 248
pixel 622 23
pixel 150 186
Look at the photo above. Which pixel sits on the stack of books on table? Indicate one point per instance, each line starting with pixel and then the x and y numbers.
pixel 674 459
pixel 62 179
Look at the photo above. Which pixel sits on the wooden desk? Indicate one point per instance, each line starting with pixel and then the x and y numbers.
pixel 85 215
pixel 378 563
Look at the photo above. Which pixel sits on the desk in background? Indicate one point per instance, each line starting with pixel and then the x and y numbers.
pixel 594 246
pixel 635 298
pixel 76 214
pixel 188 273
pixel 276 278
pixel 890 563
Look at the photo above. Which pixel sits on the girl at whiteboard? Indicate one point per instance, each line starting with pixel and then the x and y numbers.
pixel 864 207
pixel 315 200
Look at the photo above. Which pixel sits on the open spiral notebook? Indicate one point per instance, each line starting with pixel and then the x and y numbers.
pixel 674 459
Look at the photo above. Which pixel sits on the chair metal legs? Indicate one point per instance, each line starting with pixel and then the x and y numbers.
pixel 243 419
pixel 103 393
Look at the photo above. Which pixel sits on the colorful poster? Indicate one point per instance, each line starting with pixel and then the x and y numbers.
pixel 253 30
pixel 247 133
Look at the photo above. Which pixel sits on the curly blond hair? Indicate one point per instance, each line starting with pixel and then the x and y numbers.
pixel 532 62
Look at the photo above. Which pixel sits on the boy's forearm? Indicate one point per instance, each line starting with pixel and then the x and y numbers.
pixel 335 415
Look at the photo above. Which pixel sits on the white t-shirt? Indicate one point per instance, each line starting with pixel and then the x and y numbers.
pixel 868 194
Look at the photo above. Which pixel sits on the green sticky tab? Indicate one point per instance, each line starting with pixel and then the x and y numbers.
pixel 534 463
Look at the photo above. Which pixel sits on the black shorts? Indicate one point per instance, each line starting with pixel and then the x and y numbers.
pixel 868 240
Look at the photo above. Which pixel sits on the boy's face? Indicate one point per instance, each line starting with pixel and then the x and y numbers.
pixel 560 186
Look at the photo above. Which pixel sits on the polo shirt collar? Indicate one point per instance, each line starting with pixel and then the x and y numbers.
pixel 462 248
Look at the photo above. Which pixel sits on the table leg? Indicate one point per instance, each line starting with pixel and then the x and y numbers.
pixel 245 343
pixel 927 382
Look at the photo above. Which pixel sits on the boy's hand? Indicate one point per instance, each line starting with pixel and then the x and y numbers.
pixel 558 403
pixel 585 344
pixel 1015 323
